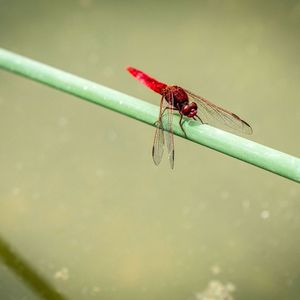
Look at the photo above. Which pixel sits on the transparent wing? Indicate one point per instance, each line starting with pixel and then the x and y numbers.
pixel 164 133
pixel 215 115
pixel 168 123
pixel 158 144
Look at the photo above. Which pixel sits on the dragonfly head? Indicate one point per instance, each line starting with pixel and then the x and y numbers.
pixel 189 110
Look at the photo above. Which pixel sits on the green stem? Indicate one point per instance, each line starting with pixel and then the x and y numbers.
pixel 28 274
pixel 261 156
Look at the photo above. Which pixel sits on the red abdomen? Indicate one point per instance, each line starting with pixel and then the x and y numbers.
pixel 147 80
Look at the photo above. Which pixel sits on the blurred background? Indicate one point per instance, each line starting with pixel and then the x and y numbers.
pixel 84 212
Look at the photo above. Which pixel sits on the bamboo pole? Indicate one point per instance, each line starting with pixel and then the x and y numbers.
pixel 243 149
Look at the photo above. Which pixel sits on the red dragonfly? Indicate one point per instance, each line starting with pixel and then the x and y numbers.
pixel 176 98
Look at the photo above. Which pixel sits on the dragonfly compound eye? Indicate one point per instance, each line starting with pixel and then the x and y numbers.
pixel 185 109
pixel 189 110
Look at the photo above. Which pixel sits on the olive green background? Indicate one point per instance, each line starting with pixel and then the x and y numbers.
pixel 80 199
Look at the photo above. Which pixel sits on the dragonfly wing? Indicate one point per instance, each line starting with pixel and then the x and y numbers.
pixel 164 133
pixel 169 137
pixel 215 115
pixel 158 144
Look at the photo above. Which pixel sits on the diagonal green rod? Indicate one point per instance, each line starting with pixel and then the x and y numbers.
pixel 256 154
pixel 29 275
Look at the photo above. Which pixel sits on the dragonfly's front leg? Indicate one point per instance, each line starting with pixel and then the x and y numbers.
pixel 181 123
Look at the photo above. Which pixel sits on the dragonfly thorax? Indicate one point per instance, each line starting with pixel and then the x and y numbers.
pixel 179 99
pixel 175 94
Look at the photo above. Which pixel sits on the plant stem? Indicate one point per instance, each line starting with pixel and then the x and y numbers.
pixel 261 156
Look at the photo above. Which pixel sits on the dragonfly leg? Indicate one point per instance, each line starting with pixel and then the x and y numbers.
pixel 158 124
pixel 161 112
pixel 167 107
pixel 180 123
pixel 199 119
pixel 159 121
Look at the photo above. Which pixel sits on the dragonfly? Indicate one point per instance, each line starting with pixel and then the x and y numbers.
pixel 177 99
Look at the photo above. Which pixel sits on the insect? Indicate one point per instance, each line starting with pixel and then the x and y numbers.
pixel 176 98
